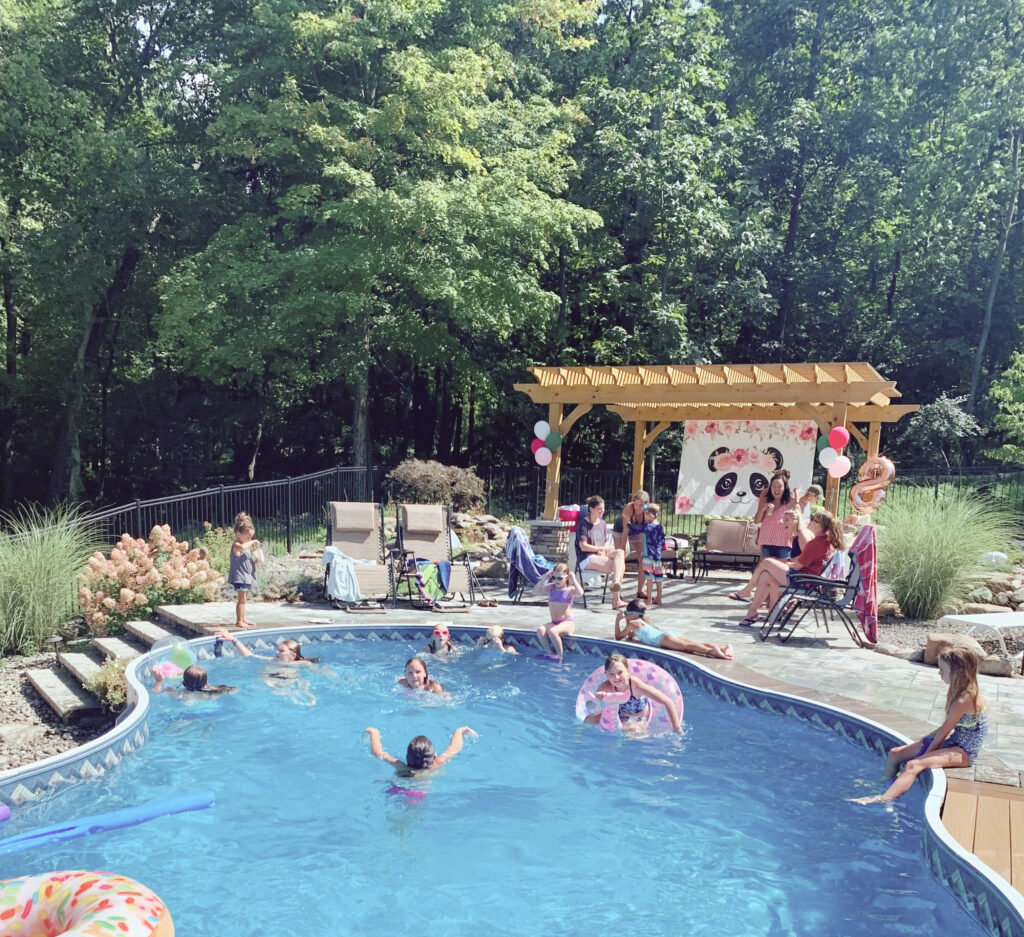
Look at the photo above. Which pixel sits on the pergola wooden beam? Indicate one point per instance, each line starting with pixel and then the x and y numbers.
pixel 863 392
pixel 677 413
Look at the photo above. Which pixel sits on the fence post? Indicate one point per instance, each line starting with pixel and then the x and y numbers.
pixel 288 522
pixel 221 515
pixel 337 484
pixel 138 519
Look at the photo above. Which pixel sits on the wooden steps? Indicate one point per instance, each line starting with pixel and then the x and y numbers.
pixel 988 820
pixel 64 694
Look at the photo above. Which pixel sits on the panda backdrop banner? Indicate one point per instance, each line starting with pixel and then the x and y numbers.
pixel 726 464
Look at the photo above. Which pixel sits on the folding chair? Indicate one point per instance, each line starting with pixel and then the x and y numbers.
pixel 356 528
pixel 424 533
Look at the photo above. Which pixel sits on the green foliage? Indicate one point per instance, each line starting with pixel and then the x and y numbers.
pixel 1007 393
pixel 110 685
pixel 434 483
pixel 929 551
pixel 937 429
pixel 41 554
pixel 216 541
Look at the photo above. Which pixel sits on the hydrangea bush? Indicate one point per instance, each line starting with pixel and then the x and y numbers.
pixel 138 575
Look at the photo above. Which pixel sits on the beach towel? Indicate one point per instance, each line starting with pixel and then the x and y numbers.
pixel 523 561
pixel 865 547
pixel 341 576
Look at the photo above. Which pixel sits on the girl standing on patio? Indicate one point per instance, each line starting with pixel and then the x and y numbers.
pixel 956 743
pixel 242 568
pixel 595 550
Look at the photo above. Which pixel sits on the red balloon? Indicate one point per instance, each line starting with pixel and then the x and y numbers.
pixel 839 437
pixel 535 445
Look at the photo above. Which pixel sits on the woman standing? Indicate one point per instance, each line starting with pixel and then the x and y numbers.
pixel 632 540
pixel 773 538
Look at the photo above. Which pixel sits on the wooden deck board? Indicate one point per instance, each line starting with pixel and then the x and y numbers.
pixel 959 814
pixel 1017 844
pixel 992 834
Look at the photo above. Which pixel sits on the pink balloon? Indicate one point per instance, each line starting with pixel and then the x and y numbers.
pixel 838 438
pixel 535 445
pixel 840 467
pixel 543 456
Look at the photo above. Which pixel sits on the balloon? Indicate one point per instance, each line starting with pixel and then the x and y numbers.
pixel 535 445
pixel 994 557
pixel 827 457
pixel 840 467
pixel 182 657
pixel 541 429
pixel 5 812
pixel 874 476
pixel 838 438
pixel 822 442
pixel 553 441
pixel 543 456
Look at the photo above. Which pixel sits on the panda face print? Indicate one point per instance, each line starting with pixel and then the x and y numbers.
pixel 739 475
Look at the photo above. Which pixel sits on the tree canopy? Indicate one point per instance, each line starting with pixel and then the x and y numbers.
pixel 262 238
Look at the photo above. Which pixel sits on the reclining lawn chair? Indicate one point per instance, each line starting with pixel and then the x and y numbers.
pixel 358 568
pixel 424 540
pixel 526 568
pixel 819 596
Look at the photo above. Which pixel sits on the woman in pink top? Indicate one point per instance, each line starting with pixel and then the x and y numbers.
pixel 774 539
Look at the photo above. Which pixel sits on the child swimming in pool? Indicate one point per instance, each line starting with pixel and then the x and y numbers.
pixel 440 641
pixel 635 696
pixel 288 651
pixel 954 744
pixel 419 756
pixel 563 587
pixel 417 678
pixel 632 625
pixel 193 680
pixel 495 640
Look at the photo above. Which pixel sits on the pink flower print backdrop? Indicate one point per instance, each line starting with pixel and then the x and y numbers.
pixel 725 464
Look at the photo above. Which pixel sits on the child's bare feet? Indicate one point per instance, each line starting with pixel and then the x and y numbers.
pixel 722 652
pixel 244 624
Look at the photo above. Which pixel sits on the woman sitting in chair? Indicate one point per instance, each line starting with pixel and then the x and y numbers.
pixel 773 574
pixel 595 550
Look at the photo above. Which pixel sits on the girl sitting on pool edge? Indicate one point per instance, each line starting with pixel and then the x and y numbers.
pixel 419 756
pixel 632 625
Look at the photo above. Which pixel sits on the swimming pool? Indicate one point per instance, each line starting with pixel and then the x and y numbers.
pixel 539 826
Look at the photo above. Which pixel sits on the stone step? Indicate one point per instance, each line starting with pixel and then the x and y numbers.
pixel 118 647
pixel 170 616
pixel 81 666
pixel 63 694
pixel 149 632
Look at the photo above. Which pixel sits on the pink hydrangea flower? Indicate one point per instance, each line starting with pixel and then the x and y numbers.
pixel 683 504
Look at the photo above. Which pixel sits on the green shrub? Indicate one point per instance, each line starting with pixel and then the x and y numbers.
pixel 929 551
pixel 216 541
pixel 434 483
pixel 110 684
pixel 41 554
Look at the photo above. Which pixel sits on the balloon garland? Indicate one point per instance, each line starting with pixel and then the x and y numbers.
pixel 545 443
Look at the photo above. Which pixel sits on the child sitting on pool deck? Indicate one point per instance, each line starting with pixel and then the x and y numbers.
pixel 193 680
pixel 956 743
pixel 563 587
pixel 440 640
pixel 495 640
pixel 631 625
pixel 420 754
pixel 417 678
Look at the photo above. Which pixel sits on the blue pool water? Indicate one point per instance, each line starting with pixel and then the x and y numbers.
pixel 540 827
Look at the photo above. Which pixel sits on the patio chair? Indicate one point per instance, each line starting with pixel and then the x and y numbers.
pixel 526 568
pixel 356 529
pixel 424 534
pixel 728 543
pixel 818 596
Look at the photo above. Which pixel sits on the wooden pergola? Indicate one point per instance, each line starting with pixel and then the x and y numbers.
pixel 653 397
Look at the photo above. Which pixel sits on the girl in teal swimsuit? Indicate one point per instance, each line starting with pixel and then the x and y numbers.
pixel 634 710
pixel 954 744
pixel 631 625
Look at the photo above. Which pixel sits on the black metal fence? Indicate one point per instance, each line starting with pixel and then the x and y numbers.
pixel 292 512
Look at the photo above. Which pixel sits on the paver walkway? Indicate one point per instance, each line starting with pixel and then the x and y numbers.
pixel 904 696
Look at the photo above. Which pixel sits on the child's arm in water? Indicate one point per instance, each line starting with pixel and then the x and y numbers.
pixel 655 694
pixel 454 747
pixel 377 750
pixel 158 681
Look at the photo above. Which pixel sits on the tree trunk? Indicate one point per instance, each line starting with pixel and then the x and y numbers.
pixel 9 406
pixel 361 409
pixel 993 284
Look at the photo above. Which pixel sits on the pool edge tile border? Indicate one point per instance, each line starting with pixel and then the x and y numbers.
pixel 989 898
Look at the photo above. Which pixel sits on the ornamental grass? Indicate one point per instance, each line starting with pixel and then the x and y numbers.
pixel 929 551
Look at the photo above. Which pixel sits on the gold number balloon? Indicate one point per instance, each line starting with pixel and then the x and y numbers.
pixel 874 477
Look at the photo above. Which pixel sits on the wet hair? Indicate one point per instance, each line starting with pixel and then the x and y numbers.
pixel 555 568
pixel 637 606
pixel 495 632
pixel 296 649
pixel 830 527
pixel 594 501
pixel 423 664
pixel 194 678
pixel 652 509
pixel 787 495
pixel 243 523
pixel 420 753
pixel 963 675
pixel 616 659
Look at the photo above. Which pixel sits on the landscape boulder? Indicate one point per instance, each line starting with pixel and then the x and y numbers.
pixel 938 641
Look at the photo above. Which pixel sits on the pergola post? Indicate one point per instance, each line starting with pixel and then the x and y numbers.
pixel 639 452
pixel 554 474
pixel 874 439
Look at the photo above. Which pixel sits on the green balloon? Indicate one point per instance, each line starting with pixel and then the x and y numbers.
pixel 182 657
pixel 822 442
pixel 553 441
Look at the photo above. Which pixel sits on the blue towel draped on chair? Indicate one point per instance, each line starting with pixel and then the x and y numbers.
pixel 524 562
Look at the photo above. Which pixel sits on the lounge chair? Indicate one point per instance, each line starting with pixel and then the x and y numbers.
pixel 526 568
pixel 728 543
pixel 821 597
pixel 424 533
pixel 356 528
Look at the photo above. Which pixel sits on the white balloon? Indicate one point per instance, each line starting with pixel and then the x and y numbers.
pixel 827 457
pixel 994 557
pixel 541 429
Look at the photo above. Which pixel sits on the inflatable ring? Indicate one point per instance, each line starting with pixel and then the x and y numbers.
pixel 657 677
pixel 83 904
